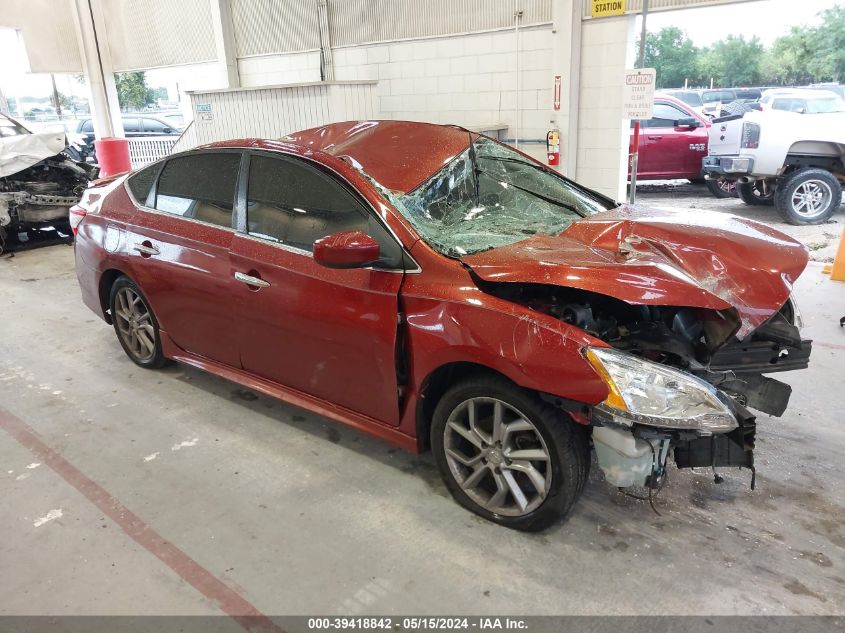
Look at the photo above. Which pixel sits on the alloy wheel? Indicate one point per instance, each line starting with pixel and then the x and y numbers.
pixel 135 324
pixel 811 198
pixel 727 186
pixel 497 456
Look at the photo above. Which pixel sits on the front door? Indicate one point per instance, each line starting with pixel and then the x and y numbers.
pixel 179 250
pixel 671 151
pixel 325 332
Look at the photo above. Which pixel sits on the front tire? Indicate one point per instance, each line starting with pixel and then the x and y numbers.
pixel 808 196
pixel 506 455
pixel 759 193
pixel 135 325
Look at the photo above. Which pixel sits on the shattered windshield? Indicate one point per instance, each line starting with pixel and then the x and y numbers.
pixel 490 196
pixel 8 127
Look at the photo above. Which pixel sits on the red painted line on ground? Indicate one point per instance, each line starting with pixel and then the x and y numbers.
pixel 829 345
pixel 227 599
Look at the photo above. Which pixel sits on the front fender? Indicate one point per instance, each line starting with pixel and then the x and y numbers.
pixel 534 350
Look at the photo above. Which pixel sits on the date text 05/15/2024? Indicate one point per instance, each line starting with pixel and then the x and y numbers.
pixel 416 623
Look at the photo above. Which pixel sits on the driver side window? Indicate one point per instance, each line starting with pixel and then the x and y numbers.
pixel 294 204
pixel 665 115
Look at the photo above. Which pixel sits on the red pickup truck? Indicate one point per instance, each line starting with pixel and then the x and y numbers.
pixel 673 142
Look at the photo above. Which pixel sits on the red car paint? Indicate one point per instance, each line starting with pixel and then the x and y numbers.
pixel 326 339
pixel 666 151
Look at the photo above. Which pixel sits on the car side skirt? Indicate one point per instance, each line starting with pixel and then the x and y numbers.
pixel 352 419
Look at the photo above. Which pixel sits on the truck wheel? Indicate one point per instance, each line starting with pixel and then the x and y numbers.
pixel 506 455
pixel 722 188
pixel 808 196
pixel 758 193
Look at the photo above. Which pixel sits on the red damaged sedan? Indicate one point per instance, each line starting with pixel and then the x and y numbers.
pixel 438 289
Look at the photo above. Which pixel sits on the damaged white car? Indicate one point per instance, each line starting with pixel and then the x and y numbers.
pixel 38 182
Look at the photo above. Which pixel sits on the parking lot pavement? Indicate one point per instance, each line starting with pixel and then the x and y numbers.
pixel 292 514
pixel 821 239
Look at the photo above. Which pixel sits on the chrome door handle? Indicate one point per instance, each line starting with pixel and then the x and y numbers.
pixel 249 280
pixel 145 250
pixel 655 138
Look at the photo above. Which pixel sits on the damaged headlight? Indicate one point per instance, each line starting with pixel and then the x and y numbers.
pixel 655 395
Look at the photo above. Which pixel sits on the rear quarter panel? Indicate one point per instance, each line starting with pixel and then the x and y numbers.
pixel 100 241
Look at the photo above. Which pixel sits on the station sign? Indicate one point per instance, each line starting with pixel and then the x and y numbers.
pixel 606 8
pixel 638 93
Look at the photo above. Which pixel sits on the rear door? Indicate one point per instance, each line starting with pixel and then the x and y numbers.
pixel 324 332
pixel 179 250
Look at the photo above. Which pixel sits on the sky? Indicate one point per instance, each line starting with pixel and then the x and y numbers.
pixel 767 19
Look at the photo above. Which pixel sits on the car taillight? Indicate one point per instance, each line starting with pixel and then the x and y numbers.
pixel 76 214
pixel 750 135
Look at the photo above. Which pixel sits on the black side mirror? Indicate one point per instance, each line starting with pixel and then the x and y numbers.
pixel 688 123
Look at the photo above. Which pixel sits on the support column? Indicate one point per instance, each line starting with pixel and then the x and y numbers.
pixel 96 64
pixel 224 40
pixel 566 62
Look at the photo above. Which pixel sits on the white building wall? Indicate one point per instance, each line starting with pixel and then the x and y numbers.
pixel 471 80
pixel 287 68
pixel 603 135
pixel 468 80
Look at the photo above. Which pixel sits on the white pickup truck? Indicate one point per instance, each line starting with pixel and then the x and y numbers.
pixel 793 160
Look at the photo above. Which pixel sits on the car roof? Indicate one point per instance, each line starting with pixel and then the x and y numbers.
pixel 807 93
pixel 399 155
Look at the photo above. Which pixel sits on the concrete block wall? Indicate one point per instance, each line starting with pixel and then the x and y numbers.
pixel 471 80
pixel 271 70
pixel 468 80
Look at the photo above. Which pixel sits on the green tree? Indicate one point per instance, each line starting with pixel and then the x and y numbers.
pixel 827 63
pixel 733 61
pixel 154 94
pixel 131 90
pixel 786 62
pixel 671 52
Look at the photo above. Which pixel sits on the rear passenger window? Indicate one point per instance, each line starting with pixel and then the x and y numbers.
pixel 141 184
pixel 200 186
pixel 296 204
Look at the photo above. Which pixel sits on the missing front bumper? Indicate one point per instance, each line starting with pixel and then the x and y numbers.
pixel 728 450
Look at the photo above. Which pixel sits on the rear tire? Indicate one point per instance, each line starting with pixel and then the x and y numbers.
pixel 721 188
pixel 499 475
pixel 758 193
pixel 808 196
pixel 135 325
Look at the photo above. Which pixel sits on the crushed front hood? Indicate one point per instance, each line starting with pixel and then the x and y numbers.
pixel 25 150
pixel 654 257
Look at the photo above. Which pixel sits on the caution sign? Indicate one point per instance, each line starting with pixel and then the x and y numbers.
pixel 638 93
pixel 605 8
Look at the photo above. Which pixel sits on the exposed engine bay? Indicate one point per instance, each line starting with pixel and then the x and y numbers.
pixel 697 341
pixel 38 181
